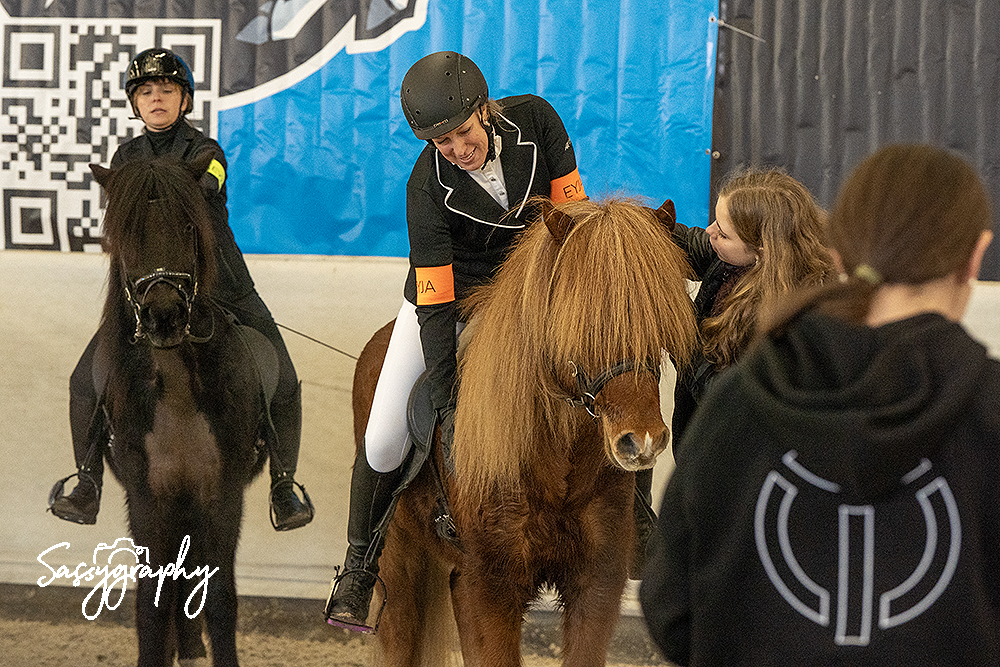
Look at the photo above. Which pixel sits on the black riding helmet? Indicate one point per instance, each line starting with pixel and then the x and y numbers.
pixel 440 92
pixel 159 64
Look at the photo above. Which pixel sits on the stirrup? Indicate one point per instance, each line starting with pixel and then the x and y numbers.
pixel 306 500
pixel 70 510
pixel 57 489
pixel 346 625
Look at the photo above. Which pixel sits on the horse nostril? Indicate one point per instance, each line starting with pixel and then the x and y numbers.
pixel 661 441
pixel 162 319
pixel 628 447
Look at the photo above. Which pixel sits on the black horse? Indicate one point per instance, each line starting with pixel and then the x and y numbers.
pixel 185 394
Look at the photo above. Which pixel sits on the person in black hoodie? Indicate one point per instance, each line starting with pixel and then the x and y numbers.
pixel 839 498
pixel 160 88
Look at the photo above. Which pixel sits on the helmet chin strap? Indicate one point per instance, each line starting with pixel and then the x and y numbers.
pixel 491 146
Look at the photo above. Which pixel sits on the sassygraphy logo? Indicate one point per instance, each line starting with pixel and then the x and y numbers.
pixel 114 566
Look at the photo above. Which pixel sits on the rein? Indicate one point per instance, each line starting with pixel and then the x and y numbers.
pixel 588 388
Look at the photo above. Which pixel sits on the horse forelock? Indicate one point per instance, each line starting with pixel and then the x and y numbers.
pixel 160 192
pixel 614 291
pixel 618 291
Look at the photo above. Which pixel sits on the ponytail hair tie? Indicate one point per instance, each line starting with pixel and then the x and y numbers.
pixel 866 273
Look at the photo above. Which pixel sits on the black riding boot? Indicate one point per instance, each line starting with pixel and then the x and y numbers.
pixel 644 520
pixel 371 496
pixel 287 511
pixel 90 434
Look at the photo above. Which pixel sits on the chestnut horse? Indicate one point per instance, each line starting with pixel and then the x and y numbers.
pixel 558 407
pixel 186 403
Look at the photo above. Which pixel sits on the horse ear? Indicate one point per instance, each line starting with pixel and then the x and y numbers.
pixel 558 222
pixel 199 165
pixel 101 174
pixel 667 215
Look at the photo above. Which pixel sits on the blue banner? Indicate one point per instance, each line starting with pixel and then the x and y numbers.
pixel 321 166
pixel 303 95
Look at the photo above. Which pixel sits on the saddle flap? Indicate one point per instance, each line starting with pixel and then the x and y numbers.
pixel 264 356
pixel 421 418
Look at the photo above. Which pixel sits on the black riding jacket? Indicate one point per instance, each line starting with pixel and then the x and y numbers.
pixel 459 234
pixel 712 272
pixel 187 143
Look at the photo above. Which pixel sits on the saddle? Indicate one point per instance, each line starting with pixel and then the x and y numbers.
pixel 265 364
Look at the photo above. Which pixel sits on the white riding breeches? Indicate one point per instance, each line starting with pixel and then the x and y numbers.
pixel 387 439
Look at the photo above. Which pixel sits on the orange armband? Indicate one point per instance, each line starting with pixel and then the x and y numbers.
pixel 435 284
pixel 567 187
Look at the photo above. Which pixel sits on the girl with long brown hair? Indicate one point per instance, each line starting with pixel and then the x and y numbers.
pixel 767 240
pixel 837 500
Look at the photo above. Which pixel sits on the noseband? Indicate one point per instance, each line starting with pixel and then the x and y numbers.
pixel 186 284
pixel 587 388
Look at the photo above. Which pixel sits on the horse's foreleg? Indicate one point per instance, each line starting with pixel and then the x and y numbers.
pixel 153 612
pixel 153 623
pixel 190 644
pixel 495 609
pixel 591 606
pixel 471 650
pixel 404 573
pixel 221 538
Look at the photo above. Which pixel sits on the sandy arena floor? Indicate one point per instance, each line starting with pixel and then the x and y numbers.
pixel 44 627
pixel 44 644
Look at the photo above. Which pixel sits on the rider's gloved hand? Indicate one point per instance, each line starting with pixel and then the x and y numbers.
pixel 446 419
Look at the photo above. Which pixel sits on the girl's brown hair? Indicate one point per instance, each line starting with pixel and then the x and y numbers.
pixel 778 216
pixel 908 214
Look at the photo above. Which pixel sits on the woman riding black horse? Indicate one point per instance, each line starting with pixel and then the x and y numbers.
pixel 160 88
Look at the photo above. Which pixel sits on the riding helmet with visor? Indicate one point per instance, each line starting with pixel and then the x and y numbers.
pixel 440 92
pixel 159 63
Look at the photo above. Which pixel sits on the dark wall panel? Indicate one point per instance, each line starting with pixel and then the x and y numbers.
pixel 834 80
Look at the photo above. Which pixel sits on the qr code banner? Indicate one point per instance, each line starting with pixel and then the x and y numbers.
pixel 62 107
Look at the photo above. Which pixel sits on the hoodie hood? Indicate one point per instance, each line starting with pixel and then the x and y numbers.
pixel 863 406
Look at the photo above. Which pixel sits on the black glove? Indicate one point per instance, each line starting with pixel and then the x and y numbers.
pixel 704 373
pixel 446 420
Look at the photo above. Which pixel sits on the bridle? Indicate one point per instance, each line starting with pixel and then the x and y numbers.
pixel 588 388
pixel 186 284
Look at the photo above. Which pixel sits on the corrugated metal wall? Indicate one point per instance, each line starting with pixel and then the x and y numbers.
pixel 836 79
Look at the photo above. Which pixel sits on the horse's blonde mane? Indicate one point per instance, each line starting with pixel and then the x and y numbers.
pixel 613 291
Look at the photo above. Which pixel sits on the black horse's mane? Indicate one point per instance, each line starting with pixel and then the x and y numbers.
pixel 160 191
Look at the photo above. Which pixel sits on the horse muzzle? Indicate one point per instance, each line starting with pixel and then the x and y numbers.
pixel 163 317
pixel 633 451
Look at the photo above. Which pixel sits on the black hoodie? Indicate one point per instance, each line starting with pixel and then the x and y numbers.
pixel 838 504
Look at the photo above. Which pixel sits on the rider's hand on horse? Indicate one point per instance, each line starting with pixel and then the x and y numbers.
pixel 446 419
